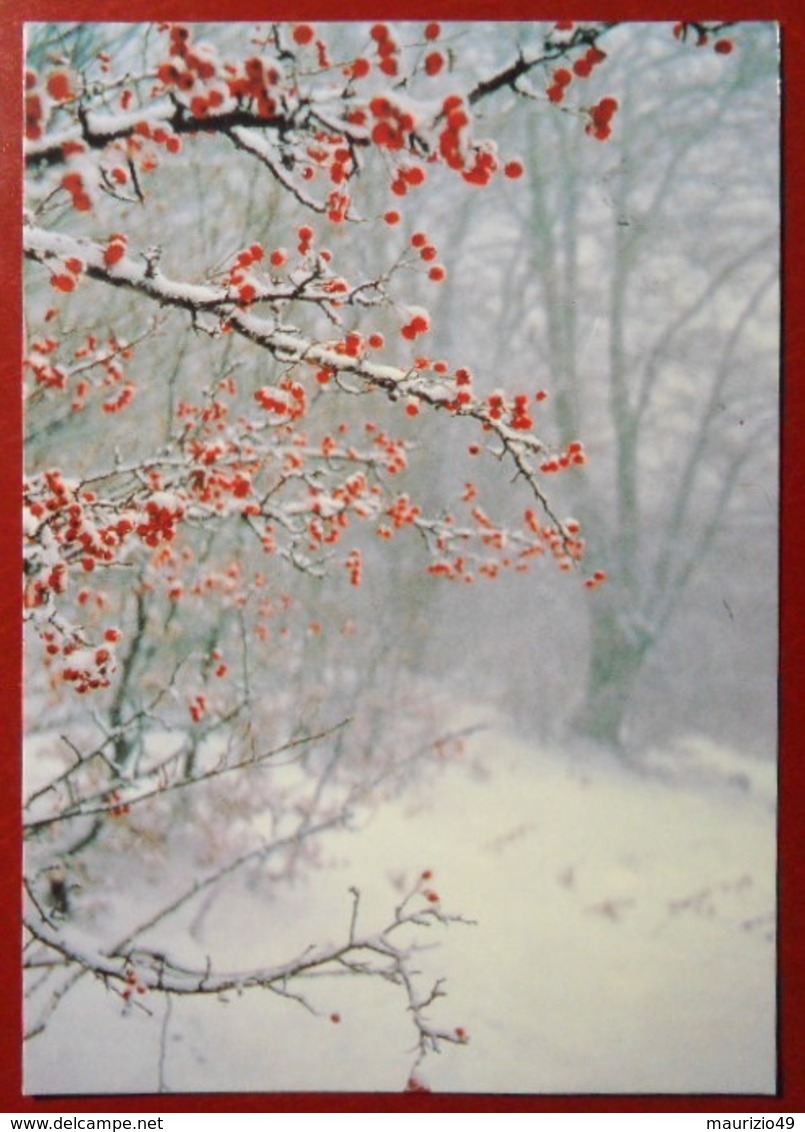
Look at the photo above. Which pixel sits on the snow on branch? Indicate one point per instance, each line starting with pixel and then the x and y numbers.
pixel 291 347
pixel 156 782
pixel 288 346
pixel 133 971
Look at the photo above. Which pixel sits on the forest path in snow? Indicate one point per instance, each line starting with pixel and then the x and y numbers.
pixel 623 942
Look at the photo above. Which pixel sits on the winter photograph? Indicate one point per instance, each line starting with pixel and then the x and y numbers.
pixel 400 597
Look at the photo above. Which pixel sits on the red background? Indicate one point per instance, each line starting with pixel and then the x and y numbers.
pixel 791 1099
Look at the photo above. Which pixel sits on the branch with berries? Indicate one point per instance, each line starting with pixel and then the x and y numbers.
pixel 133 972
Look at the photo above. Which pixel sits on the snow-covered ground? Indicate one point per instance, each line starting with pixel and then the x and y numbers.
pixel 624 942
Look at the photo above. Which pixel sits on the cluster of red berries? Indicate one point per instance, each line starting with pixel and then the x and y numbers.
pixel 192 70
pixel 601 115
pixel 453 136
pixel 484 165
pixel 358 69
pixel 517 410
pixel 115 249
pixel 96 544
pixel 354 565
pixel 219 487
pixel 573 456
pixel 239 275
pixel 418 324
pixel 59 88
pixel 331 153
pixel 407 177
pixel 403 512
pixel 290 400
pixel 306 235
pixel 338 206
pixel 253 82
pixel 393 450
pixel 477 162
pixel 123 399
pixel 34 108
pixel 326 530
pixel 429 893
pixel 88 669
pixel 160 135
pixel 583 67
pixel 387 49
pixel 117 809
pixel 46 373
pixel 68 280
pixel 198 708
pixel 721 46
pixel 74 184
pixel 393 124
pixel 162 514
pixel 133 984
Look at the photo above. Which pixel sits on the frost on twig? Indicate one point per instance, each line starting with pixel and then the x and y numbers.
pixel 134 972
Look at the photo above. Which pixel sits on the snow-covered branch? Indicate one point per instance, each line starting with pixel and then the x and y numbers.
pixel 291 347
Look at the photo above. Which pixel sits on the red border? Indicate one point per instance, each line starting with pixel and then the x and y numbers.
pixel 790 13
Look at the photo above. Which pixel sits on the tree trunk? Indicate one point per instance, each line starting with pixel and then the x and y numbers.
pixel 617 653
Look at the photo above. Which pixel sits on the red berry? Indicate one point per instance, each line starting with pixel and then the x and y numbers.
pixel 303 33
pixel 434 63
pixel 360 69
pixel 113 252
pixel 59 86
pixel 63 282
